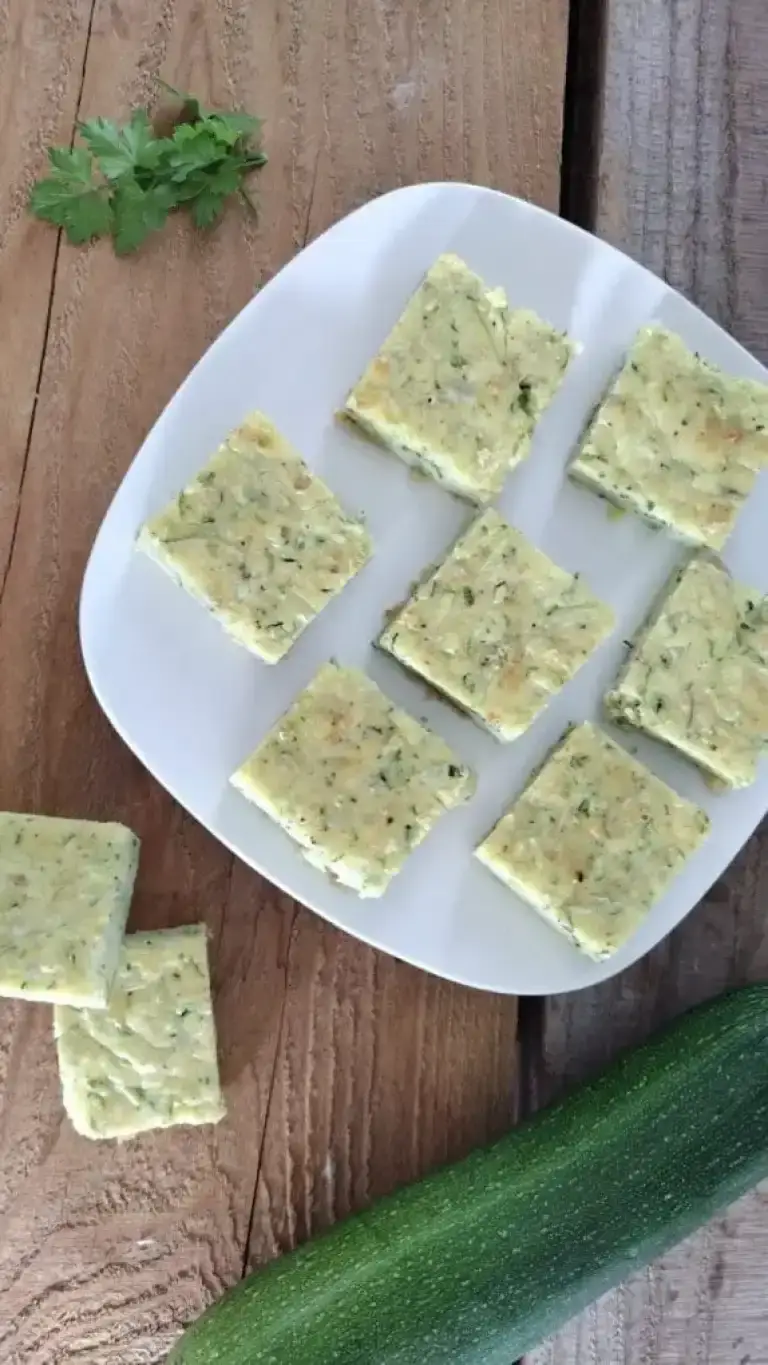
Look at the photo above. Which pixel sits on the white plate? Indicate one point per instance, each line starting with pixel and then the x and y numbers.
pixel 192 705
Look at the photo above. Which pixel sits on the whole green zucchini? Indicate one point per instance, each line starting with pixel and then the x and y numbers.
pixel 481 1260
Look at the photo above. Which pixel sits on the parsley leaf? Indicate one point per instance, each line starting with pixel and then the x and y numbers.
pixel 223 177
pixel 192 147
pixel 125 179
pixel 75 163
pixel 230 128
pixel 119 150
pixel 69 198
pixel 206 207
pixel 139 212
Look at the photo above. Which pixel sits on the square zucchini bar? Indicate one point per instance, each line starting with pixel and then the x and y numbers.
pixel 498 628
pixel 593 841
pixel 258 539
pixel 149 1059
pixel 677 440
pixel 357 782
pixel 461 381
pixel 65 892
pixel 697 677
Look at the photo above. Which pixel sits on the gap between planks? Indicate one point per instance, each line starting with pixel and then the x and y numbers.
pixel 584 74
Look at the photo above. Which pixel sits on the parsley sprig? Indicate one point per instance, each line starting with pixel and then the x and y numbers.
pixel 125 179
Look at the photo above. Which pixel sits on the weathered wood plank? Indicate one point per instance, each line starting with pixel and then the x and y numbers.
pixel 382 1072
pixel 330 1053
pixel 42 48
pixel 682 185
pixel 703 1303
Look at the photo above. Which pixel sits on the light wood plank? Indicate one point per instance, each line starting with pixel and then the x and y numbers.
pixel 682 185
pixel 382 1073
pixel 330 1052
pixel 42 48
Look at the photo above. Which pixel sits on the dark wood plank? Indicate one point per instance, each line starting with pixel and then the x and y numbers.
pixel 345 1072
pixel 681 184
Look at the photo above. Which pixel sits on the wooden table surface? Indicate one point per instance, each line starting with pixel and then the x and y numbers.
pixel 346 1072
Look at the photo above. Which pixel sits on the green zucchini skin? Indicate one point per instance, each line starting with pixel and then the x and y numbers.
pixel 480 1261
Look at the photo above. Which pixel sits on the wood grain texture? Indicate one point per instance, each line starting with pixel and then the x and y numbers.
pixel 345 1072
pixel 682 185
pixel 42 49
pixel 382 1073
pixel 703 1303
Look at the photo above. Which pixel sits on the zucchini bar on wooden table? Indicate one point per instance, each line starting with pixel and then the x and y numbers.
pixel 498 628
pixel 258 539
pixel 697 677
pixel 461 381
pixel 149 1059
pixel 65 892
pixel 677 440
pixel 357 782
pixel 593 841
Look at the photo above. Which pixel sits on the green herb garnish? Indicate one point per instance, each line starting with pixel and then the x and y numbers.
pixel 524 397
pixel 125 180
